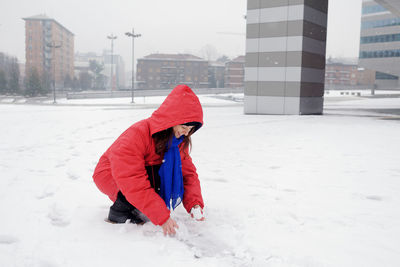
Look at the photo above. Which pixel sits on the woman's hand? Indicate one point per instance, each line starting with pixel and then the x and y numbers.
pixel 169 227
pixel 197 213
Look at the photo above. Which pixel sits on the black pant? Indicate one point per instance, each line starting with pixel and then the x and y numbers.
pixel 122 210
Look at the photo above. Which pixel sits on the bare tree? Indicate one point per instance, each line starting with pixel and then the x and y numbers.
pixel 209 52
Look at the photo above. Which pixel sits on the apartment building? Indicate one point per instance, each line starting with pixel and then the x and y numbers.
pixel 49 48
pixel 162 71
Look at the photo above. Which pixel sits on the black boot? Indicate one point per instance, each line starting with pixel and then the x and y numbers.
pixel 122 210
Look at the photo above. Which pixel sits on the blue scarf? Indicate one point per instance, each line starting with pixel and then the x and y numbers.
pixel 171 190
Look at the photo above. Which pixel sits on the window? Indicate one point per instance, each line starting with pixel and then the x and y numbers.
pixel 385 76
pixel 373 9
pixel 380 23
pixel 380 38
pixel 380 54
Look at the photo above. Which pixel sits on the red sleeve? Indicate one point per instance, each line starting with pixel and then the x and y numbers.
pixel 128 169
pixel 192 195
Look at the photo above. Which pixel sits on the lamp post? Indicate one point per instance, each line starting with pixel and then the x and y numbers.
pixel 133 35
pixel 54 46
pixel 112 38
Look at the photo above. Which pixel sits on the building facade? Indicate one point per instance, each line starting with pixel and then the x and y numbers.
pixel 82 63
pixel 342 76
pixel 285 56
pixel 380 41
pixel 216 75
pixel 41 33
pixel 234 72
pixel 118 65
pixel 165 71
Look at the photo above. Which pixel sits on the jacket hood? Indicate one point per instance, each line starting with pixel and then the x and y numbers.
pixel 181 106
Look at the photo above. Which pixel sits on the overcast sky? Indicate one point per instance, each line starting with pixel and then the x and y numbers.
pixel 167 26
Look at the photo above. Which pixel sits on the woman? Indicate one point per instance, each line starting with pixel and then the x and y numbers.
pixel 148 170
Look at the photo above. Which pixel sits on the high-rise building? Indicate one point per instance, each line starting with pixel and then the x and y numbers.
pixel 41 33
pixel 380 41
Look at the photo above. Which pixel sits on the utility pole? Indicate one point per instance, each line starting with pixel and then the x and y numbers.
pixel 54 46
pixel 133 35
pixel 112 38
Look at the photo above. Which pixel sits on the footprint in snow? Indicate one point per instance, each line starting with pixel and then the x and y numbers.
pixel 289 190
pixel 59 165
pixel 374 197
pixel 221 180
pixel 72 175
pixel 274 167
pixel 45 263
pixel 8 239
pixel 58 216
pixel 45 194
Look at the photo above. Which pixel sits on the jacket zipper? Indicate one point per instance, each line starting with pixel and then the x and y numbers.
pixel 152 172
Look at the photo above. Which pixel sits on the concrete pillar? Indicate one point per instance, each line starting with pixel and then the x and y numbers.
pixel 285 56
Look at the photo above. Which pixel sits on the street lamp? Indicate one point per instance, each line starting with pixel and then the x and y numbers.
pixel 54 46
pixel 133 35
pixel 112 38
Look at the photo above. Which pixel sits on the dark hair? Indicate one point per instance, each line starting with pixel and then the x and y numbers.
pixel 162 138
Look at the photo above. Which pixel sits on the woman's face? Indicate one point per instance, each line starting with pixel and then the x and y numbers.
pixel 180 130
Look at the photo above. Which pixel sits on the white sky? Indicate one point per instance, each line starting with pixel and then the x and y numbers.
pixel 173 26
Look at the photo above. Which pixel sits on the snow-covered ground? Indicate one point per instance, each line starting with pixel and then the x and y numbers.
pixel 359 92
pixel 279 190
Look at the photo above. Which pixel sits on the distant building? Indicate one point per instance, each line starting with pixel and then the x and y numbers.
pixel 21 71
pixel 118 71
pixel 41 31
pixel 340 75
pixel 82 63
pixel 380 41
pixel 366 77
pixel 234 73
pixel 216 75
pixel 158 71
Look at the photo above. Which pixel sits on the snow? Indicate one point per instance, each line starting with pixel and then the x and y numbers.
pixel 197 213
pixel 279 190
pixel 148 101
pixel 361 92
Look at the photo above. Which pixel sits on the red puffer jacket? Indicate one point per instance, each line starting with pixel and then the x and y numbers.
pixel 122 166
